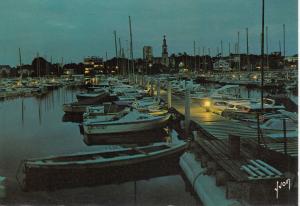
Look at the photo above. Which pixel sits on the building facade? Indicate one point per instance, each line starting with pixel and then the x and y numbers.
pixel 92 64
pixel 221 64
pixel 147 53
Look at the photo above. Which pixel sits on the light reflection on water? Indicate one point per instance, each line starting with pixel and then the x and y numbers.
pixel 32 127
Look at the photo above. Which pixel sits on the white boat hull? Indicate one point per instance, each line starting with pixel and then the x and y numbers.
pixel 116 128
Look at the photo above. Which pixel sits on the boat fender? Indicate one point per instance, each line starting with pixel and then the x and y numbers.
pixel 197 176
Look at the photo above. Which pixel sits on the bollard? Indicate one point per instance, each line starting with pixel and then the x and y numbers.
pixel 169 95
pixel 234 146
pixel 187 111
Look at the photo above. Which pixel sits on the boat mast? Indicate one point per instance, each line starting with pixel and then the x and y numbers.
pixel 131 52
pixel 238 51
pixel 203 52
pixel 247 49
pixel 50 64
pixel 120 55
pixel 221 48
pixel 267 47
pixel 280 47
pixel 199 61
pixel 128 54
pixel 38 64
pixel 262 54
pixel 195 55
pixel 20 61
pixel 283 45
pixel 120 48
pixel 116 47
pixel 62 63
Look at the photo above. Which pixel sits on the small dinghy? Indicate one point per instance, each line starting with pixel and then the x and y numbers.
pixel 104 167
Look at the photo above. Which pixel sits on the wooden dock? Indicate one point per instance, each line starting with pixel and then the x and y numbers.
pixel 215 126
pixel 258 166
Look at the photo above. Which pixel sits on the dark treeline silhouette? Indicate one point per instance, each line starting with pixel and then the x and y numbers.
pixel 41 67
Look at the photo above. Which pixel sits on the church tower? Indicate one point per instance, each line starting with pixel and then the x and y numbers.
pixel 164 55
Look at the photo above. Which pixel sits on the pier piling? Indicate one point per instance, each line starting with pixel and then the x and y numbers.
pixel 234 146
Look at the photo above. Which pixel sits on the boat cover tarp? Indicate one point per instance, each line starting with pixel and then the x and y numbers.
pixel 204 185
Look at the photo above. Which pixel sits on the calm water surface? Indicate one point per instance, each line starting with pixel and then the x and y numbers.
pixel 32 127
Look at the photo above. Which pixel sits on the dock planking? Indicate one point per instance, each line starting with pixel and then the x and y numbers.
pixel 218 127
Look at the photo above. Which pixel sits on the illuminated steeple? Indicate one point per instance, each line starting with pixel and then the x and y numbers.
pixel 164 46
pixel 164 55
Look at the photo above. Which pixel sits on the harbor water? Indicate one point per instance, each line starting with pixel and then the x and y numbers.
pixel 32 127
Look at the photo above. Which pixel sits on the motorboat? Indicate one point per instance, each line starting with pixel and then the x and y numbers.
pixel 95 94
pixel 126 121
pixel 249 109
pixel 272 124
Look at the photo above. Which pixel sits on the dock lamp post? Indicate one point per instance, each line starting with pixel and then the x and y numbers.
pixel 207 104
pixel 150 65
pixel 117 69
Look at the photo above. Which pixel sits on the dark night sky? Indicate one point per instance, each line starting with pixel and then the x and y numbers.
pixel 77 28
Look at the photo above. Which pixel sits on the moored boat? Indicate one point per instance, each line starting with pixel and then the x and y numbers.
pixel 92 95
pixel 124 122
pixel 93 168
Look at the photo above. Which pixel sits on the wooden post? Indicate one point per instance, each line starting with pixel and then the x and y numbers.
pixel 234 146
pixel 143 81
pixel 187 111
pixel 221 178
pixel 151 88
pixel 158 89
pixel 258 128
pixel 169 95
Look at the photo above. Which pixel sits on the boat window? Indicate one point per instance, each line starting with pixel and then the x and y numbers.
pixel 143 117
